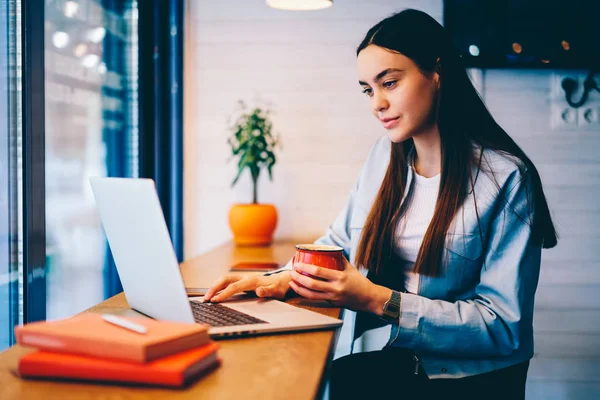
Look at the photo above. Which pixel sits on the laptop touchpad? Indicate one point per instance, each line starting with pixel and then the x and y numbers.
pixel 265 307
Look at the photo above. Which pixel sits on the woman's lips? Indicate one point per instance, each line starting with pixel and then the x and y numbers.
pixel 389 123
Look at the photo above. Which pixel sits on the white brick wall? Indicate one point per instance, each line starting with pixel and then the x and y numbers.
pixel 304 64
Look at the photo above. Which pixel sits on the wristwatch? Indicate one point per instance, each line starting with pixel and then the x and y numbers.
pixel 391 308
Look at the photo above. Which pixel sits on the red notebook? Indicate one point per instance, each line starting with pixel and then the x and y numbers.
pixel 176 370
pixel 88 334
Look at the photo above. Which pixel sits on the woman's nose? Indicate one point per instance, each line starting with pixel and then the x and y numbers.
pixel 379 103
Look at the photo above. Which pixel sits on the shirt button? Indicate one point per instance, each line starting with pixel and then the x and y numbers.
pixel 444 370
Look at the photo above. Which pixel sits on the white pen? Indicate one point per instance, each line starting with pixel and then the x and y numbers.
pixel 123 323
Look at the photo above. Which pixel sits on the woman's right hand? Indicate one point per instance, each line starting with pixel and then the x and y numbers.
pixel 275 286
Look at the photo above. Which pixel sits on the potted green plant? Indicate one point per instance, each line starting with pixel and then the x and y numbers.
pixel 253 144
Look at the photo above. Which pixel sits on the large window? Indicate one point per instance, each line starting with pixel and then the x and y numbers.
pixel 70 109
pixel 11 311
pixel 91 130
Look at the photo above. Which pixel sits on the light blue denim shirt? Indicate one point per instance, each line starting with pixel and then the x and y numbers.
pixel 477 316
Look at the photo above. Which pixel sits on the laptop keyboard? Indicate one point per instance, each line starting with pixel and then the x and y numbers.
pixel 214 314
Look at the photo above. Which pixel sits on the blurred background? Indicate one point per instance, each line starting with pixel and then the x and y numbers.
pixel 149 89
pixel 91 103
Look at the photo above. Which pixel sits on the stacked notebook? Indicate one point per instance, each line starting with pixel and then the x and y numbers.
pixel 88 347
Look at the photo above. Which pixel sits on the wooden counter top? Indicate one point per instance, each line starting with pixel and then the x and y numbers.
pixel 281 366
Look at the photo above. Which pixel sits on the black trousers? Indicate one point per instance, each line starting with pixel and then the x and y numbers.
pixel 390 374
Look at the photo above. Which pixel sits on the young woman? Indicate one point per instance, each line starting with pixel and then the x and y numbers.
pixel 447 217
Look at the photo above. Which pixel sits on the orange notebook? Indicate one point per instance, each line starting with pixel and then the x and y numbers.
pixel 88 334
pixel 175 370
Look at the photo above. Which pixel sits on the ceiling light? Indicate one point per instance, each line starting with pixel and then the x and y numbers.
pixel 474 50
pixel 517 48
pixel 80 50
pixel 60 39
pixel 71 8
pixel 299 5
pixel 96 35
pixel 90 60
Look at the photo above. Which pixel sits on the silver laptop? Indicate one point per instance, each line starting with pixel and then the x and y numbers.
pixel 139 240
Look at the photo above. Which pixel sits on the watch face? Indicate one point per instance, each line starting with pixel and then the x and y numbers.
pixel 392 308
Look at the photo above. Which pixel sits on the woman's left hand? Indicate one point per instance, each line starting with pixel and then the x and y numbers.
pixel 348 288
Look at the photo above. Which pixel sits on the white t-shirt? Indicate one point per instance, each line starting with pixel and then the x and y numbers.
pixel 414 224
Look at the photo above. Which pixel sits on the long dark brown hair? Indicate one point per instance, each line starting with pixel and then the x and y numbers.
pixel 462 119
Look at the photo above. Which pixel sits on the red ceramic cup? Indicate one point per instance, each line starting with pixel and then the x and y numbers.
pixel 325 256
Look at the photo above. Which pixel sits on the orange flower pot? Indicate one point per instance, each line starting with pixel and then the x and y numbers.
pixel 253 224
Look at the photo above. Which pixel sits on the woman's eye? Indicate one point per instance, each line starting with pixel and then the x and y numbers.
pixel 389 84
pixel 368 91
